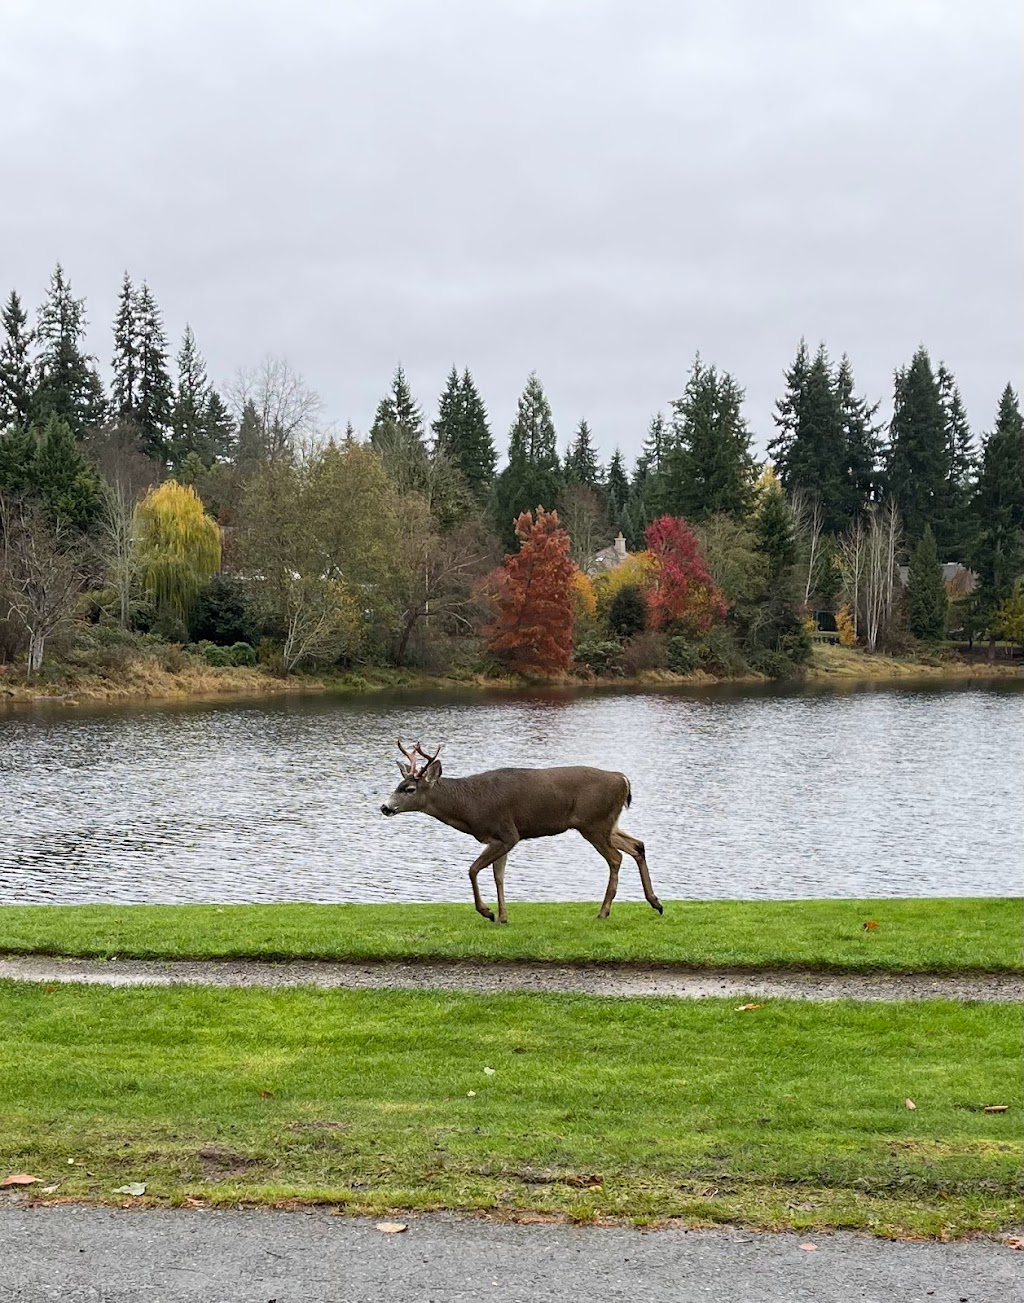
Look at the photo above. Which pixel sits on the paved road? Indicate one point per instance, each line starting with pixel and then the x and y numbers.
pixel 92 1255
pixel 584 979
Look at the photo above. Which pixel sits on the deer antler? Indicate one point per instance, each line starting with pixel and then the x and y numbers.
pixel 410 755
pixel 428 758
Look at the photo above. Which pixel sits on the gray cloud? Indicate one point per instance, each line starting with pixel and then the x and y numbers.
pixel 592 190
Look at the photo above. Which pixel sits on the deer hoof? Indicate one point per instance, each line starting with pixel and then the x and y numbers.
pixel 488 914
pixel 656 904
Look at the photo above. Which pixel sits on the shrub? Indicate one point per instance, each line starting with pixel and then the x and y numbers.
pixel 627 615
pixel 844 623
pixel 772 664
pixel 647 651
pixel 223 614
pixel 219 657
pixel 174 660
pixel 683 655
pixel 600 655
pixel 719 653
pixel 242 653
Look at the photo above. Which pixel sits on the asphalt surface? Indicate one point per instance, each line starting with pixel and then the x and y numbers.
pixel 487 978
pixel 92 1255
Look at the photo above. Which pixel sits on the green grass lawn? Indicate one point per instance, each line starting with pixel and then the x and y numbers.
pixel 911 936
pixel 790 1114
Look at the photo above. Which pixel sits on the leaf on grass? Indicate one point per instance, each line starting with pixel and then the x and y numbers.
pixel 870 925
pixel 471 1094
pixel 742 1008
pixel 909 1103
pixel 809 1248
pixel 1014 1242
pixel 266 1094
pixel 49 1189
pixel 392 1228
pixel 134 1188
pixel 19 1178
pixel 490 1071
pixel 997 1108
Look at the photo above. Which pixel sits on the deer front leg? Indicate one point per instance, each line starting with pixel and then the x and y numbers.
pixel 491 852
pixel 499 887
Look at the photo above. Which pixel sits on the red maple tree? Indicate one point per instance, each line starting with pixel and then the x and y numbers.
pixel 683 592
pixel 532 627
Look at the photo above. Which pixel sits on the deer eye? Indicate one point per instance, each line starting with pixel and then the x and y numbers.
pixel 409 787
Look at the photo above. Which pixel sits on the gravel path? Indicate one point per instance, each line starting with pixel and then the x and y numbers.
pixel 487 978
pixel 96 1255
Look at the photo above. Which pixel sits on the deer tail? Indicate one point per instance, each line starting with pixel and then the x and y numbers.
pixel 629 792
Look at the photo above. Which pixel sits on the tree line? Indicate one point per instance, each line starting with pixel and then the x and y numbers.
pixel 160 507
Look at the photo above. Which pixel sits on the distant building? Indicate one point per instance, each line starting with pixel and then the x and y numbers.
pixel 958 579
pixel 609 557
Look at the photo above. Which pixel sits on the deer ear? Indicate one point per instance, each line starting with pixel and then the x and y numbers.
pixel 403 768
pixel 432 772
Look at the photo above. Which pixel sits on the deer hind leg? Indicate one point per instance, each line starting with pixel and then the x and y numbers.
pixel 601 842
pixel 499 887
pixel 634 846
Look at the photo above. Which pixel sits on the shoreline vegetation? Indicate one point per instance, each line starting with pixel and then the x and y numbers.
pixel 167 674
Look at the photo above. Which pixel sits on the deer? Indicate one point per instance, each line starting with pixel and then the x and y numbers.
pixel 503 807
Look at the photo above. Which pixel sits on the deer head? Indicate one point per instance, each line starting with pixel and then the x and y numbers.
pixel 411 793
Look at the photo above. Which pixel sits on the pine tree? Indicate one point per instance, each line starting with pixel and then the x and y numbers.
pixel 810 451
pixel 656 446
pixel 961 460
pixel 581 464
pixel 397 409
pixel 462 432
pixel 617 485
pixel 63 480
pixel 863 445
pixel 15 367
pixel 533 476
pixel 917 471
pixel 926 591
pixel 998 549
pixel 155 391
pixel 220 427
pixel 446 428
pixel 709 469
pixel 67 383
pixel 189 428
pixel 124 391
pixel 17 460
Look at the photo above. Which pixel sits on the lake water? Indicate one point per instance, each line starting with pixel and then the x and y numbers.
pixel 737 793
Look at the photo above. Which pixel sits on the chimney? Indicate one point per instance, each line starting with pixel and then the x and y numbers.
pixel 620 546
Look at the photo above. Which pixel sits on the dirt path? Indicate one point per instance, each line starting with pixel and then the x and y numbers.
pixel 487 978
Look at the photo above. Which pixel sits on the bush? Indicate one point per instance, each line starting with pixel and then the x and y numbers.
pixel 173 659
pixel 627 615
pixel 719 653
pixel 219 657
pixel 223 614
pixel 683 655
pixel 599 655
pixel 647 651
pixel 242 653
pixel 772 664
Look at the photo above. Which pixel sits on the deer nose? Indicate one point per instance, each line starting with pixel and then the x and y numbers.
pixel 385 809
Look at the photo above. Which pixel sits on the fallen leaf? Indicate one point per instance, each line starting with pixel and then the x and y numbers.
pixel 742 1008
pixel 1014 1242
pixel 266 1094
pixel 471 1094
pixel 49 990
pixel 392 1228
pixel 809 1248
pixel 71 1162
pixel 134 1188
pixel 870 925
pixel 49 1189
pixel 490 1071
pixel 19 1178
pixel 909 1103
pixel 997 1108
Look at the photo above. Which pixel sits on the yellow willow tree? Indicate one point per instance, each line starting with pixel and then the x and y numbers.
pixel 178 547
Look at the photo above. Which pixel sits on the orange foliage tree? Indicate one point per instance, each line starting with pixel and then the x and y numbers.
pixel 683 593
pixel 533 611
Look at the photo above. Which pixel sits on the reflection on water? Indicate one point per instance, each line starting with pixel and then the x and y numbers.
pixel 736 794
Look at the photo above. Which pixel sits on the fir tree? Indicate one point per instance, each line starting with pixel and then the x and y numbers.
pixel 617 485
pixel 220 427
pixel 124 391
pixel 998 549
pixel 863 448
pixel 61 478
pixel 397 410
pixel 961 460
pixel 189 427
pixel 811 448
pixel 581 464
pixel 15 367
pixel 17 460
pixel 926 591
pixel 533 476
pixel 709 469
pixel 462 432
pixel 67 384
pixel 155 391
pixel 917 471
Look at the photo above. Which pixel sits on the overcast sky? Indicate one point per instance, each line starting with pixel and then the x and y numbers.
pixel 594 190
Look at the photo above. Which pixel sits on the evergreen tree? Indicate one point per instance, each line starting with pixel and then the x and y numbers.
pixel 709 469
pixel 656 446
pixel 917 471
pixel 961 467
pixel 863 448
pixel 533 476
pixel 397 410
pixel 124 391
pixel 627 615
pixel 15 367
pixel 462 432
pixel 581 464
pixel 189 425
pixel 67 384
pixel 155 391
pixel 998 549
pixel 220 427
pixel 17 460
pixel 251 444
pixel 61 478
pixel 810 450
pixel 617 485
pixel 926 590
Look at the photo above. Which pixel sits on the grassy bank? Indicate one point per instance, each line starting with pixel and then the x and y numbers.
pixel 785 1115
pixel 165 677
pixel 910 936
